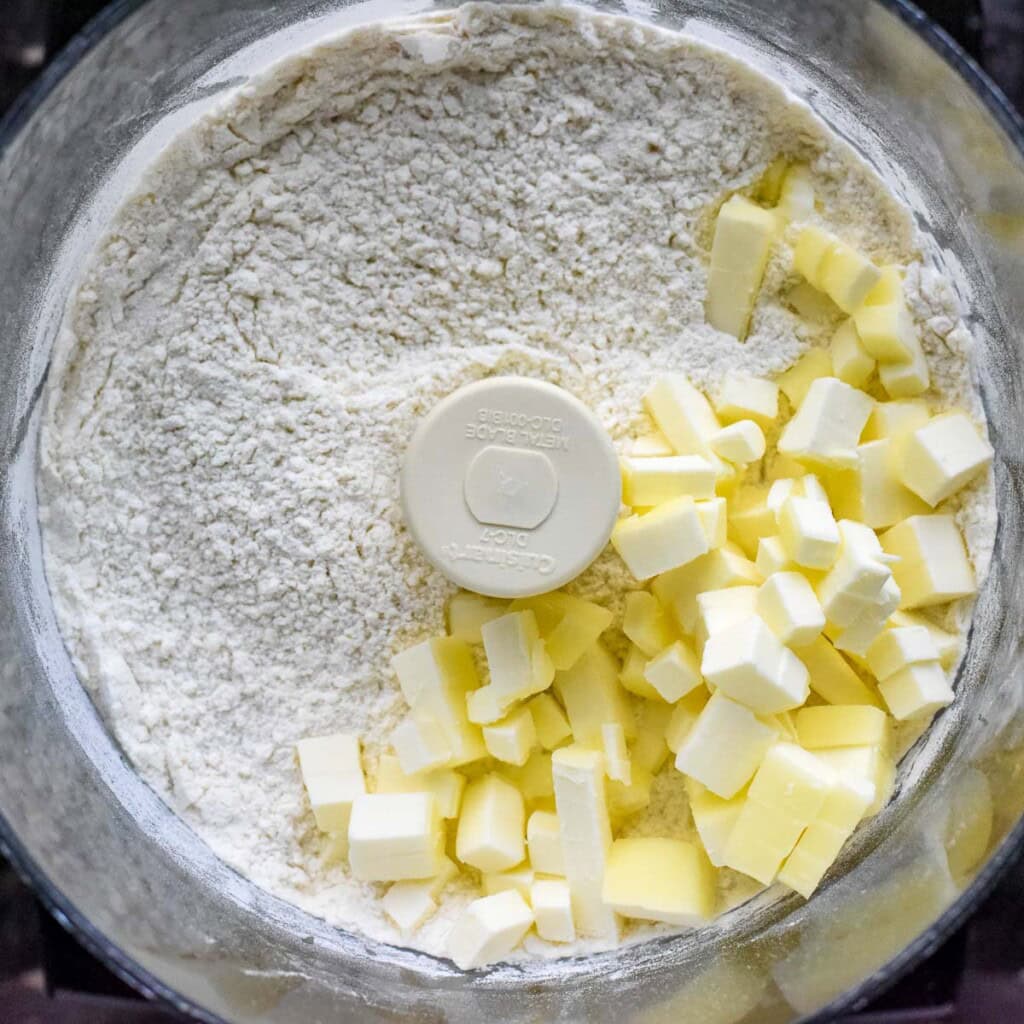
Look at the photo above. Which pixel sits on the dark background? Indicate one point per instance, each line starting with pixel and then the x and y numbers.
pixel 977 977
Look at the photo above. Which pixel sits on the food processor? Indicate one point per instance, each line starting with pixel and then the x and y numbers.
pixel 140 890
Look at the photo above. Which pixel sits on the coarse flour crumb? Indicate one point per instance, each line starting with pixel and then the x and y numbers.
pixel 299 278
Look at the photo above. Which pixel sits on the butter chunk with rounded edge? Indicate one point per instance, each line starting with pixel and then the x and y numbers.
pixel 445 784
pixel 489 929
pixel 518 662
pixel 467 612
pixel 544 842
pixel 714 819
pixel 814 364
pixel 753 398
pixel 933 566
pixel 740 442
pixel 851 361
pixel 838 725
pixel 674 673
pixel 669 536
pixel 919 689
pixel 790 608
pixel 552 910
pixel 645 623
pixel 827 426
pixel 665 880
pixel 682 413
pixel 512 738
pixel 749 664
pixel 941 457
pixel 808 531
pixel 549 721
pixel 724 747
pixel 332 773
pixel 396 836
pixel 647 482
pixel 492 826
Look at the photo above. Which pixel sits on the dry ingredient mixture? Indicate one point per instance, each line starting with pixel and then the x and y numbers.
pixel 299 278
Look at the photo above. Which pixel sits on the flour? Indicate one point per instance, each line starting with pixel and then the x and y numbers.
pixel 300 277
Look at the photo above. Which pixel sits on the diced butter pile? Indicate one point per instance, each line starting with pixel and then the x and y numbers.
pixel 774 634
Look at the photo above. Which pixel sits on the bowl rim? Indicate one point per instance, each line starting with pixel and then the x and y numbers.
pixel 64 910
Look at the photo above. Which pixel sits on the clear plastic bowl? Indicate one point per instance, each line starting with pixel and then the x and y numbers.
pixel 138 888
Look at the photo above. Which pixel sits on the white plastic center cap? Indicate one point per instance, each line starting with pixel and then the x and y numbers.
pixel 511 487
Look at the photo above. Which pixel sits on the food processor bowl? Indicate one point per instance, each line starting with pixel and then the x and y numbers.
pixel 138 888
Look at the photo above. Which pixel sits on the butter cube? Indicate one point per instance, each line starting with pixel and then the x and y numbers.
pixel 445 785
pixel 947 644
pixel 648 482
pixel 808 531
pixel 467 612
pixel 410 903
pixel 669 536
pixel 739 254
pixel 772 557
pixel 847 276
pixel 933 566
pixel 646 624
pixel 895 419
pixel 518 662
pixel 682 414
pixel 827 426
pixel 420 743
pixel 919 689
pixel 856 580
pixel 813 365
pixel 899 647
pixel 435 677
pixel 811 858
pixel 533 779
pixel 674 673
pixel 750 519
pixel 724 747
pixel 549 721
pixel 720 610
pixel 632 675
pixel 812 247
pixel 333 776
pixel 592 697
pixel 871 491
pixel 848 801
pixel 649 446
pixel 831 676
pixel 684 714
pixel 871 763
pixel 837 725
pixel 395 836
pixel 492 825
pixel 544 841
pixel 552 910
pixel 887 331
pixel 851 361
pixel 740 442
pixel 748 398
pixel 678 589
pixel 888 289
pixel 796 195
pixel 586 836
pixel 760 841
pixel 905 380
pixel 714 819
pixel 519 879
pixel 790 608
pixel 748 664
pixel 624 801
pixel 942 456
pixel 512 738
pixel 666 880
pixel 579 627
pixel 714 518
pixel 489 929
pixel 649 751
pixel 859 635
pixel 616 756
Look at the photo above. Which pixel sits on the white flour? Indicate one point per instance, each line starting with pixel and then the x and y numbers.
pixel 300 277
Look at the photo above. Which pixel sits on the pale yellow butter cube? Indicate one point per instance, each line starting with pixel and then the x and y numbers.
pixel 814 364
pixel 858 636
pixel 581 624
pixel 625 801
pixel 847 276
pixel 839 725
pixel 814 853
pixel 740 442
pixel 512 738
pixel 586 836
pixel 649 446
pixel 941 457
pixel 395 836
pixel 667 537
pixel 812 248
pixel 792 781
pixel 871 491
pixel 492 825
pixel 748 664
pixel 749 518
pixel 645 623
pixel 665 880
pixel 857 578
pixel 947 644
pixel 719 610
pixel 827 426
pixel 632 675
pixel 919 689
pixel 544 842
pixel 649 751
pixel 518 662
pixel 649 482
pixel 592 697
pixel 772 557
pixel 760 841
pixel 779 493
pixel 899 647
pixel 714 518
pixel 831 676
pixel 549 721
pixel 748 398
pixel 552 910
pixel 674 673
pixel 420 743
pixel 887 331
pixel 445 785
pixel 678 589
pixel 808 531
pixel 684 714
pixel 724 747
pixel 435 677
pixel 467 612
pixel 534 779
pixel 849 800
pixel 790 608
pixel 739 254
pixel 888 289
pixel 933 566
pixel 894 419
pixel 410 903
pixel 906 380
pixel 714 819
pixel 489 929
pixel 851 361
pixel 332 773
pixel 616 755
pixel 519 879
pixel 683 414
pixel 871 763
